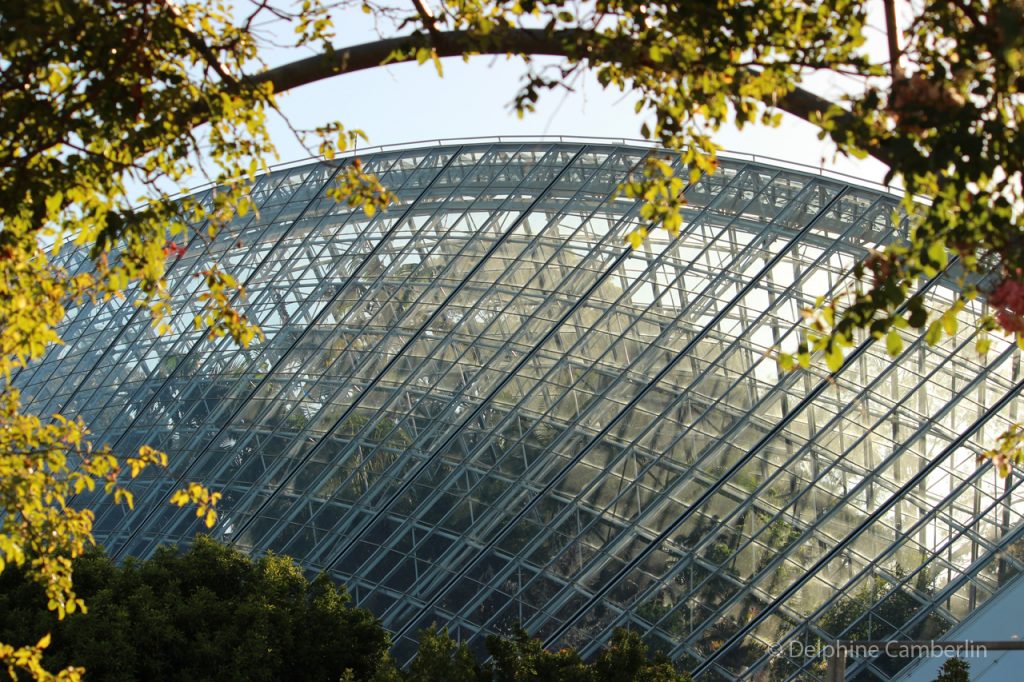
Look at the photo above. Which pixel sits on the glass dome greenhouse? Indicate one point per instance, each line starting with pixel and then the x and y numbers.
pixel 482 408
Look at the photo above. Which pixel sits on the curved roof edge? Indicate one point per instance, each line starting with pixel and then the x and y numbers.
pixel 637 143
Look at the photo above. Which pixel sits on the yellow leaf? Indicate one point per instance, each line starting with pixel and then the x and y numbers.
pixel 636 237
pixel 893 343
pixel 984 343
pixel 937 254
pixel 786 362
pixel 834 359
pixel 949 323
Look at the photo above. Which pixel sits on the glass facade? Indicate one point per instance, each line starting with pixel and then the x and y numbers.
pixel 481 408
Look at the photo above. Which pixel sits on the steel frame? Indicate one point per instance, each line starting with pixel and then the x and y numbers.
pixel 481 408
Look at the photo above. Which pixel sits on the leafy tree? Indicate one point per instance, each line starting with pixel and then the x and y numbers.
pixel 210 613
pixel 876 610
pixel 521 658
pixel 954 670
pixel 104 100
pixel 439 657
pixel 213 613
pixel 625 659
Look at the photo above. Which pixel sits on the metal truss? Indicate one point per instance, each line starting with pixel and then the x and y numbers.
pixel 481 409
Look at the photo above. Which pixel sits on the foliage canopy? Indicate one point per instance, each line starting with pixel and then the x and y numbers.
pixel 210 613
pixel 104 103
pixel 213 613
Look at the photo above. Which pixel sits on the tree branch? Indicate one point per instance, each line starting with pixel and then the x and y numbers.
pixel 566 43
pixel 428 19
pixel 198 44
pixel 893 37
